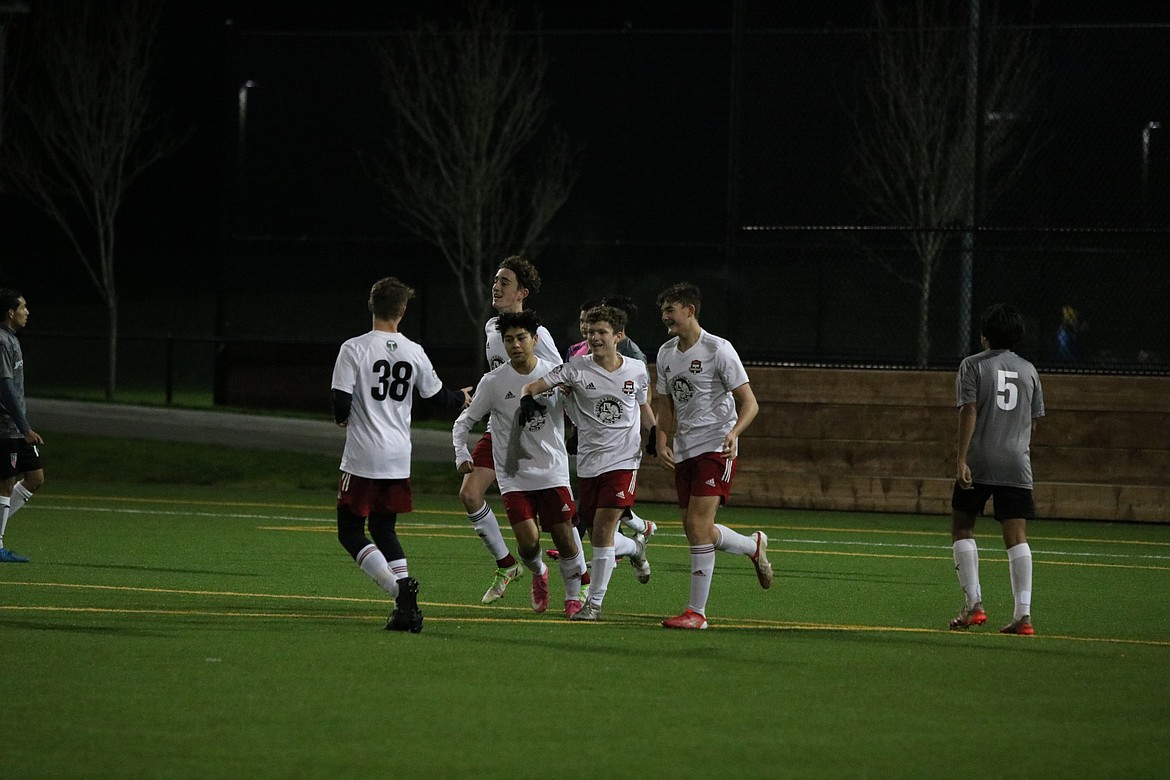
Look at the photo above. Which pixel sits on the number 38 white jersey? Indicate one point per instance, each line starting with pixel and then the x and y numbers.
pixel 380 370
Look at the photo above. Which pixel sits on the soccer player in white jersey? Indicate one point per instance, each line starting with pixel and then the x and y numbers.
pixel 703 404
pixel 609 394
pixel 530 459
pixel 999 398
pixel 373 383
pixel 515 280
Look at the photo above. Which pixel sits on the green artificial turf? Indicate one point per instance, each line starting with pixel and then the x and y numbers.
pixel 214 628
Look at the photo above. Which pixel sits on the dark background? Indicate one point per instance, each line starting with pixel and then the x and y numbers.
pixel 279 237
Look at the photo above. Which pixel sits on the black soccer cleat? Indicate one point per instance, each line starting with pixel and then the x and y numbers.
pixel 406 615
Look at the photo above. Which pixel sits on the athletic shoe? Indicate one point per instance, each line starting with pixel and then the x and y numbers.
pixel 1023 627
pixel 638 559
pixel 554 554
pixel 7 556
pixel 572 607
pixel 500 581
pixel 969 616
pixel 651 529
pixel 406 615
pixel 760 560
pixel 688 619
pixel 540 592
pixel 589 611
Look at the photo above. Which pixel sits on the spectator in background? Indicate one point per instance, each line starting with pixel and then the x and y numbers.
pixel 1068 335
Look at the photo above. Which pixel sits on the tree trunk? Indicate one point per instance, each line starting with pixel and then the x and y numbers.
pixel 924 312
pixel 111 345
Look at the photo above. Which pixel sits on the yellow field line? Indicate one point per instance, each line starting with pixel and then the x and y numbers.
pixel 731 623
pixel 943 525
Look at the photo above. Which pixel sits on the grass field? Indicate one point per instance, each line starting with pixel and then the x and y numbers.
pixel 197 622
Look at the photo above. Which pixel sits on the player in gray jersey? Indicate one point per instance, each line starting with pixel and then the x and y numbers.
pixel 20 456
pixel 999 399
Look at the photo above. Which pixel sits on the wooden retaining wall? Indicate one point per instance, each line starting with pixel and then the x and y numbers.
pixel 884 441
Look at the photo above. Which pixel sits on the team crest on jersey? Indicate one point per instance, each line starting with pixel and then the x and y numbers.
pixel 696 367
pixel 495 362
pixel 628 387
pixel 681 389
pixel 391 345
pixel 609 409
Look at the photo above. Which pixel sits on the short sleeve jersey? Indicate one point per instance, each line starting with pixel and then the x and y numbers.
pixel 700 382
pixel 544 463
pixel 546 348
pixel 1007 395
pixel 12 367
pixel 380 370
pixel 605 410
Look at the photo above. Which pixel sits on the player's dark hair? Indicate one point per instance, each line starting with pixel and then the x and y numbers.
pixel 611 314
pixel 623 302
pixel 526 320
pixel 9 300
pixel 681 292
pixel 526 274
pixel 591 303
pixel 388 298
pixel 1002 325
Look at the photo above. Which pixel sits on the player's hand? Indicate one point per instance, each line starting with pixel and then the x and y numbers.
pixel 465 467
pixel 32 437
pixel 530 409
pixel 652 442
pixel 730 446
pixel 466 396
pixel 666 458
pixel 964 476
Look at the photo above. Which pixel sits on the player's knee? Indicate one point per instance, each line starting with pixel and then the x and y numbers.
pixel 471 497
pixel 33 480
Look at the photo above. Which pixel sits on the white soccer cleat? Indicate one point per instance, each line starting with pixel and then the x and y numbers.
pixel 500 581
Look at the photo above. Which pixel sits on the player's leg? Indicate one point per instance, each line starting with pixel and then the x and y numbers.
pixel 472 493
pixel 406 615
pixel 605 522
pixel 352 536
pixel 966 504
pixel 23 490
pixel 1019 553
pixel 556 510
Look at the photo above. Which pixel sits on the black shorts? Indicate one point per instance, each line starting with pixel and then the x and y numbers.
pixel 1010 502
pixel 17 456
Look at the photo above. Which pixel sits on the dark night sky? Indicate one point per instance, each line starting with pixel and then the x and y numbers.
pixel 659 185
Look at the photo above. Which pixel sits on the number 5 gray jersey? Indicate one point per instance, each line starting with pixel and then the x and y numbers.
pixel 1006 392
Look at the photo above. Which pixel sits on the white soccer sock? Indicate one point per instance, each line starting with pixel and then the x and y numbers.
pixel 734 542
pixel 966 554
pixel 20 496
pixel 4 512
pixel 603 565
pixel 488 527
pixel 571 571
pixel 702 569
pixel 534 565
pixel 373 563
pixel 635 523
pixel 623 545
pixel 398 570
pixel 1020 569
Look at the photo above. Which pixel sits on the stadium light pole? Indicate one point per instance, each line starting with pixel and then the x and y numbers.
pixel 1146 131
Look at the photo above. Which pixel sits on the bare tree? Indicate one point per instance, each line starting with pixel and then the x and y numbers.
pixel 471 164
pixel 921 152
pixel 83 130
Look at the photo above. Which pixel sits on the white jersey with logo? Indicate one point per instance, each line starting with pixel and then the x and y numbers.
pixel 543 462
pixel 700 381
pixel 604 405
pixel 380 370
pixel 546 349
